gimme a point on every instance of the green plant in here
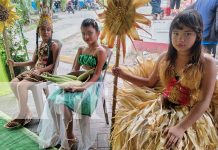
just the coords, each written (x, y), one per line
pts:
(17, 46)
(38, 4)
(23, 9)
(63, 4)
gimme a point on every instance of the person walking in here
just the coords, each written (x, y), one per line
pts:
(208, 9)
(156, 9)
(174, 5)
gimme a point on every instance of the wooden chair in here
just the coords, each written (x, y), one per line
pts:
(39, 88)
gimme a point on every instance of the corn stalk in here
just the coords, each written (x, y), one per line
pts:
(115, 83)
(7, 50)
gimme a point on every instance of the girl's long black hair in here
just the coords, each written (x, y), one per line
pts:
(192, 19)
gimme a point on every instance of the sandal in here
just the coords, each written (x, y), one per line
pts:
(17, 123)
(53, 142)
(161, 15)
(154, 17)
(69, 144)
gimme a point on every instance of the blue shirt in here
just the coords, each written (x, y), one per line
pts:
(207, 9)
(90, 1)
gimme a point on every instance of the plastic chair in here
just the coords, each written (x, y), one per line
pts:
(84, 120)
(38, 88)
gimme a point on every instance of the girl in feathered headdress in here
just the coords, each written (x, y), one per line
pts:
(43, 61)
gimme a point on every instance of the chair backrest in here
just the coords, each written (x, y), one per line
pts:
(109, 54)
(58, 57)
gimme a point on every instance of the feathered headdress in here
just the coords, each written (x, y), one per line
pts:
(45, 18)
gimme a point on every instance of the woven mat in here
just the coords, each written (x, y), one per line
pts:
(4, 85)
(17, 139)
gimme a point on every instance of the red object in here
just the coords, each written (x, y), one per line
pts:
(167, 11)
(183, 92)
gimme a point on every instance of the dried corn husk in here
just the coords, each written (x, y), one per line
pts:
(141, 119)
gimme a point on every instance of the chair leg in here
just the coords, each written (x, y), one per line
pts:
(38, 99)
(46, 91)
(105, 111)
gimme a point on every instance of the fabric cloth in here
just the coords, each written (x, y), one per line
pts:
(83, 104)
(89, 60)
(142, 115)
(85, 101)
(42, 55)
(209, 12)
(51, 128)
(207, 9)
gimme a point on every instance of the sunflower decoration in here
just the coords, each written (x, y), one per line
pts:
(7, 19)
(7, 14)
(121, 20)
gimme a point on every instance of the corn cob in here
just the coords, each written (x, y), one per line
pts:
(85, 75)
(70, 76)
(70, 83)
(66, 81)
(56, 79)
(63, 76)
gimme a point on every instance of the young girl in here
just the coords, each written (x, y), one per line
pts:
(43, 61)
(82, 100)
(176, 117)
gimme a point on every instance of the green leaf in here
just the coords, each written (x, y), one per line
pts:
(25, 41)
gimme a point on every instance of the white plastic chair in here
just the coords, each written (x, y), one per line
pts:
(88, 133)
(109, 54)
(102, 93)
(38, 88)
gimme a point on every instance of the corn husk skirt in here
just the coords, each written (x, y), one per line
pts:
(141, 119)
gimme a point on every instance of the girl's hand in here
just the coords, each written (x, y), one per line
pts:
(10, 62)
(117, 71)
(174, 135)
(75, 89)
(37, 72)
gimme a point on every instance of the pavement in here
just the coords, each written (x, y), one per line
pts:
(67, 30)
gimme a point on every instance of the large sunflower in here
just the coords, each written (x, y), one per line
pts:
(120, 20)
(7, 14)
